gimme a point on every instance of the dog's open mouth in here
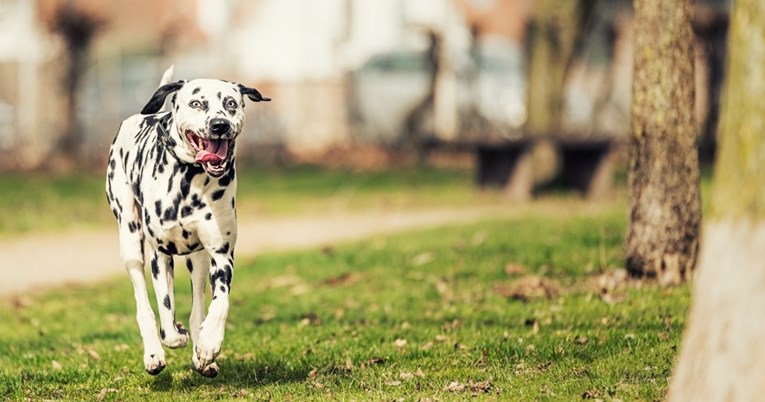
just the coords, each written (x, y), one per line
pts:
(212, 154)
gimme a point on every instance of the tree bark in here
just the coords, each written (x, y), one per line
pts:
(553, 35)
(721, 357)
(662, 239)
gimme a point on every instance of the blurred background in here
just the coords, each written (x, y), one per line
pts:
(353, 81)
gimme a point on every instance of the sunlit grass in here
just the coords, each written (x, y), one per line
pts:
(420, 315)
(34, 202)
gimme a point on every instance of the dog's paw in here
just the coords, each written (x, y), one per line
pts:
(176, 338)
(205, 356)
(209, 371)
(154, 363)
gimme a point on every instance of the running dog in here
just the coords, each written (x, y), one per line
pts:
(171, 183)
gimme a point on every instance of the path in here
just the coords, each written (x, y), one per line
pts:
(36, 262)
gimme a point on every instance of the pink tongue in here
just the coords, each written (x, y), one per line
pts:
(215, 151)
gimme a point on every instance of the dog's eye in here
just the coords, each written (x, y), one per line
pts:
(195, 104)
(231, 104)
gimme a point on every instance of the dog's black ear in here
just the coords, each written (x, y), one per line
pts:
(158, 99)
(253, 94)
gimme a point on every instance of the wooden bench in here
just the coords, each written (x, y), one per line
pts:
(586, 164)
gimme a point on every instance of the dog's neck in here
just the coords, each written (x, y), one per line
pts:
(171, 140)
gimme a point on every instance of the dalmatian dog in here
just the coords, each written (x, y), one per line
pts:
(171, 183)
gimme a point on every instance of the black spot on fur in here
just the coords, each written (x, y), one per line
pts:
(223, 275)
(186, 211)
(154, 268)
(196, 90)
(223, 249)
(208, 216)
(222, 288)
(133, 226)
(171, 214)
(170, 248)
(158, 208)
(162, 332)
(189, 265)
(217, 194)
(166, 302)
(196, 202)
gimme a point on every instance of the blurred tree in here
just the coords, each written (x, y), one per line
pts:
(721, 354)
(77, 28)
(662, 239)
(554, 32)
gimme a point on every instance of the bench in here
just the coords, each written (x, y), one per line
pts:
(586, 164)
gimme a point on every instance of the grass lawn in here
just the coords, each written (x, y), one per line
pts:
(501, 310)
(33, 203)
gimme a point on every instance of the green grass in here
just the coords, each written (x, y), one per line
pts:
(387, 318)
(33, 203)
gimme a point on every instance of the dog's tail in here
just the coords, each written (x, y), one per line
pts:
(167, 76)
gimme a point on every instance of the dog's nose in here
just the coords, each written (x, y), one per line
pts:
(219, 126)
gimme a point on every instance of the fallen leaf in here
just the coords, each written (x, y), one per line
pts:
(512, 268)
(581, 340)
(312, 374)
(482, 386)
(400, 343)
(56, 365)
(478, 238)
(406, 375)
(121, 347)
(419, 373)
(454, 386)
(310, 318)
(342, 279)
(393, 383)
(101, 394)
(423, 258)
(94, 354)
(529, 287)
(374, 360)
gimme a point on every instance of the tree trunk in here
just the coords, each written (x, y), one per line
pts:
(553, 35)
(721, 357)
(662, 240)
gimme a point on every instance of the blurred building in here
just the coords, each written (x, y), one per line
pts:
(296, 51)
(302, 53)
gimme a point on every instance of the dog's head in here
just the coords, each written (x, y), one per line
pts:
(209, 115)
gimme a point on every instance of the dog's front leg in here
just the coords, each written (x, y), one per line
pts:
(172, 335)
(153, 354)
(214, 325)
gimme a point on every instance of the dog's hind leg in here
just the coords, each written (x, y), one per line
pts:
(171, 334)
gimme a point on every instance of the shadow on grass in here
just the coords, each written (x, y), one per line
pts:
(235, 374)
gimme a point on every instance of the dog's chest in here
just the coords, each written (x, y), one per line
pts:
(184, 206)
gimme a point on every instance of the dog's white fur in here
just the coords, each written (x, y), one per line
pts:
(165, 197)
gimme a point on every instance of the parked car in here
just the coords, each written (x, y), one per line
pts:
(491, 85)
